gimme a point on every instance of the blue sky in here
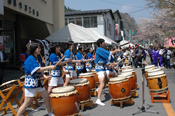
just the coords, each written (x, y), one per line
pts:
(136, 8)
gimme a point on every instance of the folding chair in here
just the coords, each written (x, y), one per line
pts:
(9, 95)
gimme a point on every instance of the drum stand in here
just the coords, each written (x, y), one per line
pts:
(142, 108)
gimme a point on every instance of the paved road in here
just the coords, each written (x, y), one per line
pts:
(128, 110)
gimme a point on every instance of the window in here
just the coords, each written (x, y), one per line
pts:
(108, 24)
(1, 24)
(72, 20)
(110, 29)
(86, 21)
(94, 21)
(79, 21)
(66, 20)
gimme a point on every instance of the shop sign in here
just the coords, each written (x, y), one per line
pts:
(26, 8)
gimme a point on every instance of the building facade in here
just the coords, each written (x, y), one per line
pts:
(24, 20)
(102, 21)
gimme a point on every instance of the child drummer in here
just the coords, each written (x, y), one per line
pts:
(102, 56)
(56, 74)
(33, 82)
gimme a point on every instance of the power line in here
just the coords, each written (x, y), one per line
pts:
(138, 11)
(121, 4)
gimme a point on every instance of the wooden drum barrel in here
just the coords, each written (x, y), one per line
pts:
(131, 79)
(148, 68)
(125, 68)
(64, 101)
(157, 82)
(133, 73)
(83, 88)
(96, 76)
(119, 88)
(151, 71)
(90, 77)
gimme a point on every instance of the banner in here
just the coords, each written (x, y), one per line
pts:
(169, 42)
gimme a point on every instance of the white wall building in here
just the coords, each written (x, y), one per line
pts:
(102, 21)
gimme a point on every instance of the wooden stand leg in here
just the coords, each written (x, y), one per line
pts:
(160, 97)
(137, 86)
(89, 104)
(135, 94)
(130, 101)
(94, 93)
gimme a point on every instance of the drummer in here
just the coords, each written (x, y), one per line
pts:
(89, 56)
(33, 82)
(80, 56)
(100, 60)
(56, 74)
(70, 66)
(111, 71)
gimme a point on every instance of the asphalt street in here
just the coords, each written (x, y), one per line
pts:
(114, 110)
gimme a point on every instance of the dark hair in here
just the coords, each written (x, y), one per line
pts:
(33, 47)
(80, 48)
(70, 43)
(100, 41)
(24, 49)
(109, 47)
(88, 48)
(53, 46)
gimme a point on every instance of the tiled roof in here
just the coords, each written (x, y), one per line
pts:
(88, 12)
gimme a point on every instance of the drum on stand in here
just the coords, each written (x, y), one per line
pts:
(96, 76)
(83, 88)
(90, 77)
(131, 79)
(119, 88)
(125, 68)
(157, 82)
(133, 73)
(64, 101)
(148, 68)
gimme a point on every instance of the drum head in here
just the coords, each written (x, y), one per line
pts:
(94, 71)
(118, 78)
(126, 67)
(75, 81)
(126, 73)
(127, 70)
(85, 74)
(63, 89)
(156, 73)
(149, 66)
(154, 70)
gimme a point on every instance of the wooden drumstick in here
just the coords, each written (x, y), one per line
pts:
(120, 61)
(83, 57)
(68, 69)
(41, 57)
(60, 60)
(49, 72)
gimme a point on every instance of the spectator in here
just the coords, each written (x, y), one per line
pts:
(3, 61)
(168, 57)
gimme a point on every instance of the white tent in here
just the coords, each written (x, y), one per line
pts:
(78, 34)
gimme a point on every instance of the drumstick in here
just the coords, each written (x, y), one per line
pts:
(145, 63)
(60, 60)
(120, 61)
(49, 72)
(41, 57)
(83, 57)
(68, 69)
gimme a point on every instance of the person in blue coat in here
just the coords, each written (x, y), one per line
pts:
(70, 67)
(155, 56)
(89, 56)
(33, 82)
(101, 57)
(80, 56)
(55, 56)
